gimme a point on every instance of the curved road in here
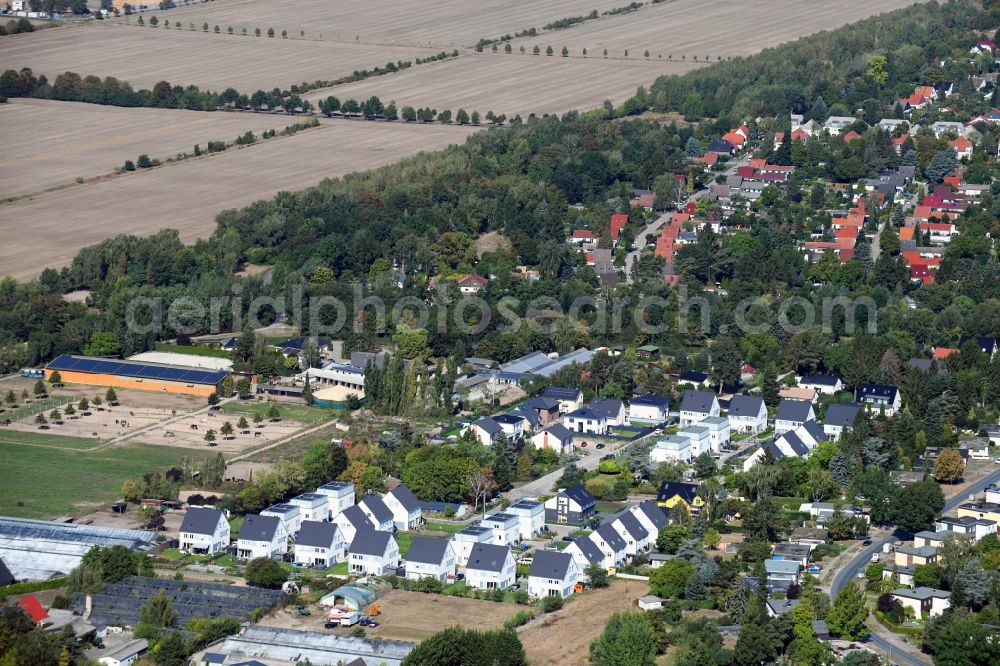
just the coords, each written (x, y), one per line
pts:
(862, 559)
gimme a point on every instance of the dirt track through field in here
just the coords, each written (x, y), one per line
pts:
(49, 230)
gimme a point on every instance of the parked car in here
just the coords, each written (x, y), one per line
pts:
(600, 446)
(583, 444)
(568, 538)
(330, 625)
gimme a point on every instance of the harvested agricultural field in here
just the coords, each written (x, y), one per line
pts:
(56, 152)
(144, 56)
(188, 195)
(443, 23)
(707, 28)
(511, 84)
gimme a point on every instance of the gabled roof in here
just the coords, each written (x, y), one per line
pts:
(655, 513)
(6, 577)
(589, 550)
(793, 410)
(820, 380)
(814, 429)
(877, 392)
(698, 401)
(541, 403)
(686, 491)
(921, 593)
(986, 344)
(529, 415)
(652, 400)
(550, 564)
(610, 536)
(841, 415)
(377, 506)
(745, 405)
(259, 528)
(631, 525)
(356, 517)
(587, 413)
(781, 566)
(201, 521)
(404, 496)
(316, 533)
(487, 557)
(579, 495)
(797, 446)
(562, 393)
(370, 542)
(559, 431)
(427, 551)
(692, 377)
(609, 407)
(488, 425)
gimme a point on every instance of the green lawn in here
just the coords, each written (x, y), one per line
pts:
(630, 433)
(193, 350)
(405, 540)
(610, 507)
(39, 405)
(456, 431)
(338, 569)
(46, 438)
(235, 524)
(55, 483)
(443, 527)
(301, 413)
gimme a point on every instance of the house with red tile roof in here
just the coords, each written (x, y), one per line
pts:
(963, 147)
(737, 140)
(941, 353)
(618, 222)
(851, 136)
(580, 236)
(33, 607)
(906, 233)
(472, 283)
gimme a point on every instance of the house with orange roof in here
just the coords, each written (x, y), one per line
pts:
(963, 147)
(906, 233)
(581, 236)
(897, 143)
(618, 222)
(851, 136)
(941, 353)
(799, 134)
(922, 213)
(33, 607)
(735, 139)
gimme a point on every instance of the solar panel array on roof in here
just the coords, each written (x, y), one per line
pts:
(187, 375)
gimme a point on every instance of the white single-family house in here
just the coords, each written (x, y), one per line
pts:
(649, 407)
(312, 506)
(611, 545)
(490, 567)
(747, 414)
(826, 384)
(405, 508)
(506, 528)
(377, 512)
(638, 539)
(880, 397)
(652, 516)
(697, 406)
(319, 543)
(204, 531)
(700, 437)
(976, 527)
(486, 430)
(261, 536)
(791, 414)
(340, 494)
(923, 600)
(552, 574)
(512, 425)
(288, 514)
(719, 432)
(782, 573)
(838, 419)
(586, 421)
(570, 399)
(351, 520)
(573, 505)
(430, 558)
(674, 447)
(556, 437)
(530, 515)
(585, 552)
(464, 540)
(373, 553)
(614, 411)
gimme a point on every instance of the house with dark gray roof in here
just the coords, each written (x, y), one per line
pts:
(791, 414)
(880, 398)
(652, 516)
(556, 436)
(986, 344)
(611, 545)
(319, 544)
(586, 421)
(486, 430)
(638, 539)
(490, 567)
(649, 407)
(378, 513)
(430, 558)
(827, 384)
(546, 408)
(838, 419)
(552, 574)
(373, 553)
(407, 514)
(529, 416)
(261, 536)
(204, 531)
(573, 505)
(613, 411)
(350, 520)
(569, 398)
(747, 414)
(585, 552)
(697, 406)
(6, 577)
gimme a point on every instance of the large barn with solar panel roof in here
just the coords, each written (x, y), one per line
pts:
(138, 375)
